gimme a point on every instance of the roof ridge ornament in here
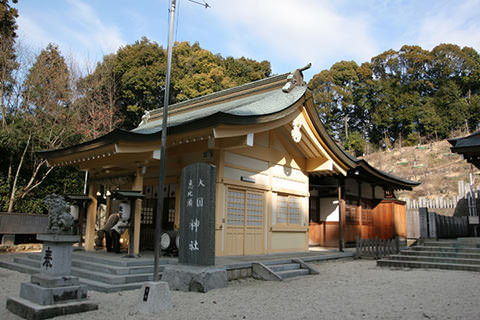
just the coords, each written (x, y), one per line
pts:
(145, 117)
(295, 78)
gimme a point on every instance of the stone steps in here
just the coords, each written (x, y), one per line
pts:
(427, 265)
(435, 259)
(441, 254)
(281, 269)
(112, 269)
(449, 255)
(98, 273)
(439, 243)
(111, 278)
(293, 273)
(285, 267)
(19, 267)
(446, 249)
(108, 288)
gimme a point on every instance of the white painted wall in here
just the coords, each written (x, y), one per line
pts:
(329, 209)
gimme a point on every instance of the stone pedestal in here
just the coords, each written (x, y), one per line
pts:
(53, 291)
(195, 278)
(155, 297)
(57, 253)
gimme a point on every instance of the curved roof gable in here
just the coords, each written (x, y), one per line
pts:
(468, 147)
(275, 100)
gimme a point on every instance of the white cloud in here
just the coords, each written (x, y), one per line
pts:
(91, 31)
(75, 27)
(32, 32)
(458, 23)
(298, 31)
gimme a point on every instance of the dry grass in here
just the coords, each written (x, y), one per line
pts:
(434, 165)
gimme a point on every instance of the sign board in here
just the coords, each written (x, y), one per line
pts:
(197, 215)
(473, 220)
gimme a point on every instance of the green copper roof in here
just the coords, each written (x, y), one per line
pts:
(259, 104)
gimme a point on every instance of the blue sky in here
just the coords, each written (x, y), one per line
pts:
(288, 33)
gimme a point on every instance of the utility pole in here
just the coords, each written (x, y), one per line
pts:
(161, 178)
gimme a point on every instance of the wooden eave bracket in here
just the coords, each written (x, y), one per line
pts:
(319, 164)
(80, 158)
(232, 142)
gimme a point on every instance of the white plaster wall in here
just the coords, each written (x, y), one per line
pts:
(329, 209)
(236, 174)
(246, 162)
(287, 172)
(279, 183)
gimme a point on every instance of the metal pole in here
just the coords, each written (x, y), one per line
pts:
(159, 213)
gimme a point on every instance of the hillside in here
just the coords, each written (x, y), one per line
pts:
(434, 165)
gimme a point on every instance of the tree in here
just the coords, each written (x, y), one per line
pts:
(355, 143)
(44, 121)
(8, 27)
(333, 92)
(140, 70)
(324, 93)
(96, 108)
(401, 94)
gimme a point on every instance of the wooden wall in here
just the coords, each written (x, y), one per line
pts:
(324, 234)
(389, 220)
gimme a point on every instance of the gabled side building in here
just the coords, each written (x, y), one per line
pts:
(282, 183)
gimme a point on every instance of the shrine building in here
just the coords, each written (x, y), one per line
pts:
(282, 183)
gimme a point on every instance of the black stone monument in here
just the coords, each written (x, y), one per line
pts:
(197, 217)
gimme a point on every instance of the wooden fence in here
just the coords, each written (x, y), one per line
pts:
(464, 191)
(23, 223)
(423, 224)
(376, 248)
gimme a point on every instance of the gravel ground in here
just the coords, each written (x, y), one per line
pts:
(347, 289)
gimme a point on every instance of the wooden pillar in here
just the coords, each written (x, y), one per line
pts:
(137, 186)
(341, 216)
(359, 208)
(91, 217)
(178, 191)
(220, 214)
(109, 207)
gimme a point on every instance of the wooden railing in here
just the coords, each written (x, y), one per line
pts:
(23, 223)
(376, 248)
